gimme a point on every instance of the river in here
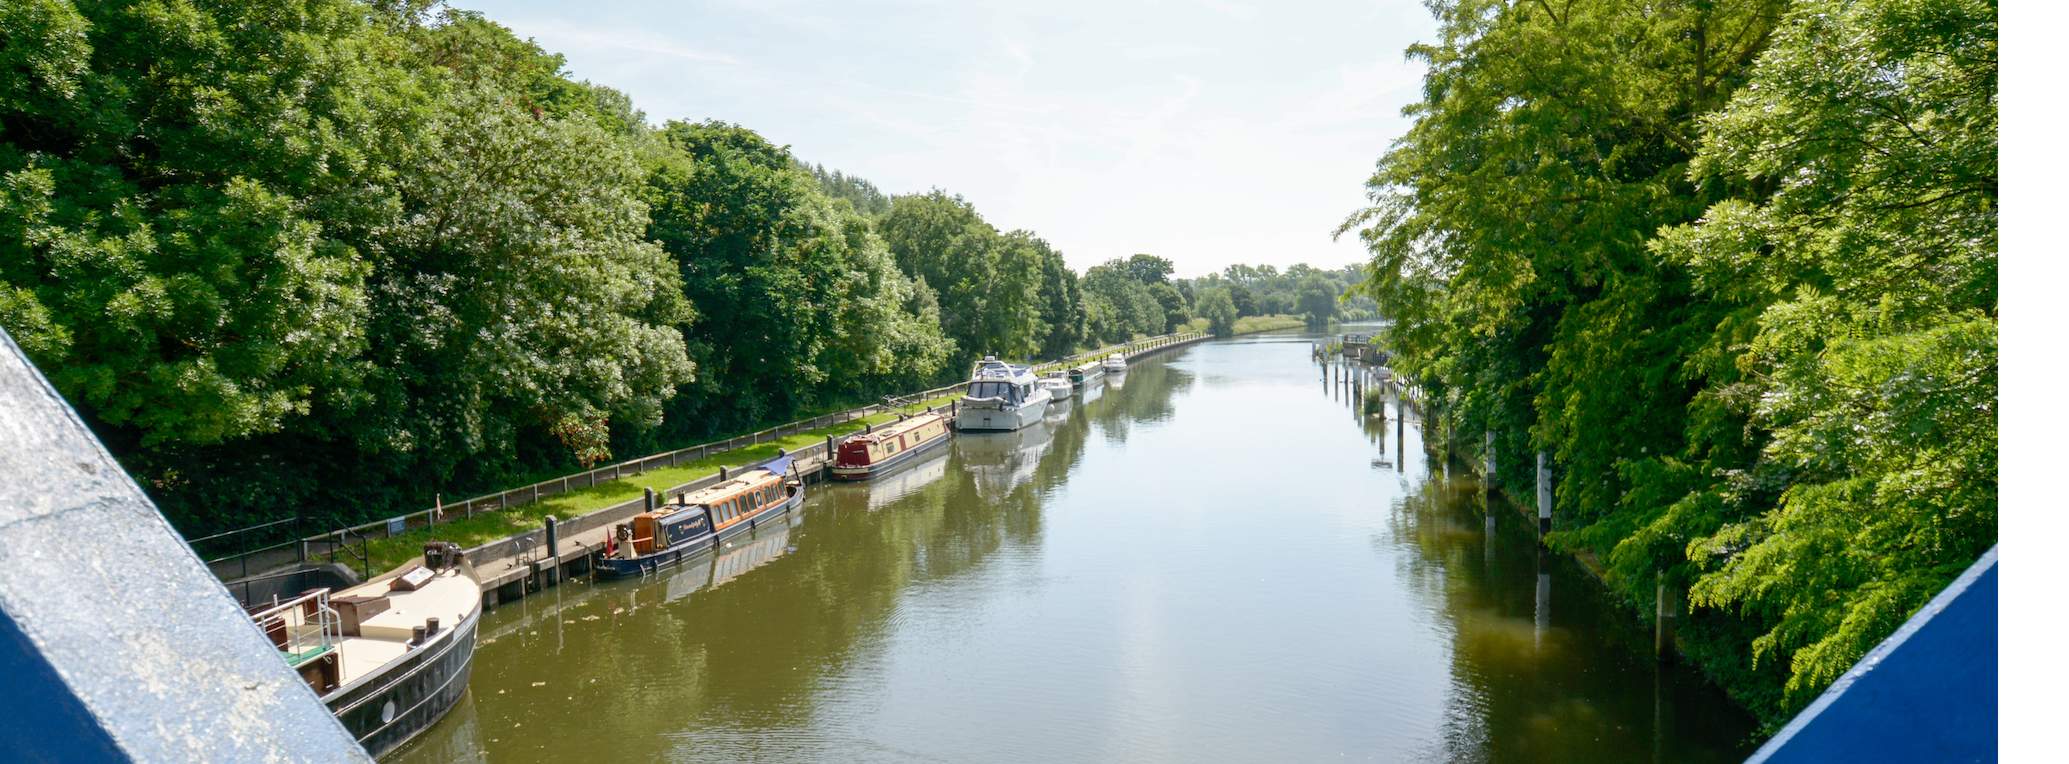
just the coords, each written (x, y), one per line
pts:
(1211, 558)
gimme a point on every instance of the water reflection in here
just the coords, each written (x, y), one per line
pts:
(1219, 574)
(1539, 680)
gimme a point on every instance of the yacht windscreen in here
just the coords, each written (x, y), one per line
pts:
(992, 390)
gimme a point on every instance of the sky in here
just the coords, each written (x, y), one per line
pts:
(1208, 132)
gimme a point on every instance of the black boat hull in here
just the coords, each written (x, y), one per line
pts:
(397, 704)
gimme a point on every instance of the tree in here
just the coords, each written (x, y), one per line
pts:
(798, 296)
(1869, 134)
(1246, 304)
(1219, 310)
(1171, 307)
(1062, 322)
(988, 287)
(1117, 306)
(1148, 269)
(1705, 299)
(1317, 300)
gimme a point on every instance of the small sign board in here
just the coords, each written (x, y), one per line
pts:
(396, 525)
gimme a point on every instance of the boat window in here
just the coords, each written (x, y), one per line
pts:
(990, 389)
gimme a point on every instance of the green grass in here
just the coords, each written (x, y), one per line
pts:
(1251, 324)
(386, 553)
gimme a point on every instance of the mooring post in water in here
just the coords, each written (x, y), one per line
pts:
(650, 500)
(1661, 611)
(1542, 619)
(829, 448)
(1544, 494)
(1401, 433)
(723, 476)
(1490, 456)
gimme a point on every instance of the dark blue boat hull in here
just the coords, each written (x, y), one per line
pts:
(647, 564)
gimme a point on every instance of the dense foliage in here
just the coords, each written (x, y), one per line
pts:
(328, 257)
(1733, 265)
(1317, 296)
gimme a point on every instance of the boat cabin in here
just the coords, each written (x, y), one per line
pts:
(882, 443)
(738, 498)
(1008, 387)
(667, 527)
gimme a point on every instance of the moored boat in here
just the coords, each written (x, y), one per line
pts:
(1001, 399)
(1058, 384)
(1085, 372)
(389, 657)
(889, 447)
(1115, 363)
(698, 520)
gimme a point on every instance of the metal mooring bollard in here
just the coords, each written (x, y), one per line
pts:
(552, 537)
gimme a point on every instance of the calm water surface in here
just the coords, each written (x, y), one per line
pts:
(1211, 559)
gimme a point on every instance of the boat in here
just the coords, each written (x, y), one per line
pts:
(1086, 372)
(880, 450)
(1001, 398)
(699, 520)
(1115, 363)
(389, 657)
(989, 363)
(1058, 384)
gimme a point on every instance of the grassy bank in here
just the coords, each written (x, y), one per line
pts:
(387, 553)
(1253, 324)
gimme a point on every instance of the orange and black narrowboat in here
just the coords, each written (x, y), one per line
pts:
(701, 519)
(889, 447)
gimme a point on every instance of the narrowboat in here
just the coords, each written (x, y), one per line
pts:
(699, 520)
(389, 657)
(1115, 363)
(889, 447)
(1086, 372)
(1001, 399)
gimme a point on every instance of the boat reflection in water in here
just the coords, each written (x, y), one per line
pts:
(736, 557)
(1003, 461)
(886, 490)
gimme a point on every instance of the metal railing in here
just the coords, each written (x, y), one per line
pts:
(302, 628)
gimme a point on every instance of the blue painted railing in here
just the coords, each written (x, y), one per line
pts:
(1926, 694)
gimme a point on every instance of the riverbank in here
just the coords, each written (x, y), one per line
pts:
(473, 531)
(1703, 642)
(1253, 324)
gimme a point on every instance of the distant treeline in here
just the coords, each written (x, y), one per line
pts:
(1733, 265)
(330, 257)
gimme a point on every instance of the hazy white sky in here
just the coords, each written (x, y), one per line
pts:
(1209, 132)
